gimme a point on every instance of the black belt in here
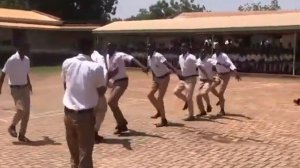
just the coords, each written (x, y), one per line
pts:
(187, 77)
(205, 80)
(122, 79)
(67, 110)
(163, 76)
(18, 86)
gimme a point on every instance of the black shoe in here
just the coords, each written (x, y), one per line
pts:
(190, 118)
(164, 123)
(22, 138)
(297, 101)
(12, 131)
(203, 113)
(121, 130)
(209, 109)
(185, 106)
(98, 138)
(221, 113)
(156, 116)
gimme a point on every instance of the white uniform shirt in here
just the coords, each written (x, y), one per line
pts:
(82, 77)
(224, 60)
(100, 59)
(188, 65)
(17, 69)
(207, 65)
(235, 57)
(248, 57)
(257, 57)
(242, 59)
(118, 60)
(156, 63)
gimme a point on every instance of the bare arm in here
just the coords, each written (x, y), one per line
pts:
(175, 70)
(237, 75)
(29, 83)
(112, 73)
(1, 80)
(101, 91)
(138, 63)
(203, 71)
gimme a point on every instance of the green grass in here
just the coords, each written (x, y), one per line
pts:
(45, 69)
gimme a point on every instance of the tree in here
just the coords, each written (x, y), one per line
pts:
(274, 5)
(15, 4)
(78, 10)
(163, 9)
(99, 11)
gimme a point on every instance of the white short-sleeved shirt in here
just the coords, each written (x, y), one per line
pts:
(235, 57)
(248, 57)
(223, 59)
(188, 65)
(118, 60)
(156, 64)
(257, 57)
(207, 64)
(17, 69)
(242, 59)
(82, 77)
(100, 59)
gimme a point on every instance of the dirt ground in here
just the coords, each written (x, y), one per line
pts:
(261, 129)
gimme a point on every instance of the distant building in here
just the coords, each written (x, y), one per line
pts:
(51, 39)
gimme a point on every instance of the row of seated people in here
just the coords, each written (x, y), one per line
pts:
(255, 63)
(263, 63)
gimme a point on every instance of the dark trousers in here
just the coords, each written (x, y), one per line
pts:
(80, 137)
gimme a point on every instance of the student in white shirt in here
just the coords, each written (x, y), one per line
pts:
(120, 83)
(206, 76)
(17, 69)
(187, 84)
(161, 70)
(101, 108)
(84, 83)
(224, 68)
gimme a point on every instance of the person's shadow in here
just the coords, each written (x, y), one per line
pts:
(125, 142)
(138, 133)
(231, 116)
(45, 141)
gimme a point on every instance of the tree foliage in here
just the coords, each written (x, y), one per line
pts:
(274, 5)
(99, 11)
(164, 9)
(15, 4)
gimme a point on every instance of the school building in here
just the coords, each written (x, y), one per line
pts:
(51, 39)
(260, 42)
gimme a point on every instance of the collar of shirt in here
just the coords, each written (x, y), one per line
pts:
(185, 55)
(83, 57)
(17, 56)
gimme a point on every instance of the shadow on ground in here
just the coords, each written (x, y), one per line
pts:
(45, 141)
(115, 141)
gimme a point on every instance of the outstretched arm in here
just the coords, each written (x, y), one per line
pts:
(138, 63)
(1, 80)
(203, 71)
(175, 70)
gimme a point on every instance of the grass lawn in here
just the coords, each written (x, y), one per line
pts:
(45, 69)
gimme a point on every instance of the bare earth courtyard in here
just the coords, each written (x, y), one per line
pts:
(261, 130)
